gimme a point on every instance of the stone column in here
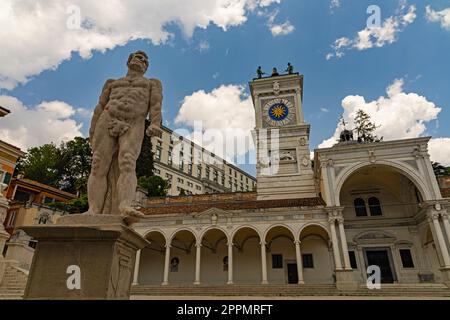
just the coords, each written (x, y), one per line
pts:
(334, 241)
(4, 236)
(347, 265)
(446, 221)
(230, 263)
(136, 268)
(263, 263)
(197, 263)
(298, 255)
(166, 266)
(441, 240)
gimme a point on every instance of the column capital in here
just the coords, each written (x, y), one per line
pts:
(297, 242)
(168, 246)
(433, 215)
(198, 244)
(230, 244)
(335, 214)
(263, 243)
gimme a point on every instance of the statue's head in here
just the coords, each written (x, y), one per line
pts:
(138, 61)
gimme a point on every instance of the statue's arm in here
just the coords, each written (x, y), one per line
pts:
(102, 101)
(155, 106)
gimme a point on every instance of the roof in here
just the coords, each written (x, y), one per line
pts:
(32, 183)
(224, 201)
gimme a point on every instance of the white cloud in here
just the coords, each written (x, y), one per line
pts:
(225, 114)
(400, 115)
(277, 29)
(47, 122)
(335, 4)
(35, 34)
(443, 17)
(380, 36)
(323, 109)
(282, 29)
(439, 149)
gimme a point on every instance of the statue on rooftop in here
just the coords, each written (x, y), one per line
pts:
(259, 72)
(290, 68)
(116, 134)
(275, 72)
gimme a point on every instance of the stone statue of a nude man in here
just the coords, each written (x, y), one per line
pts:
(116, 134)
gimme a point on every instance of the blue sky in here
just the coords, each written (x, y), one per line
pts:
(415, 60)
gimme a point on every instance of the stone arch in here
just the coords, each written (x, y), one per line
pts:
(147, 232)
(280, 225)
(247, 258)
(204, 232)
(316, 254)
(310, 224)
(151, 262)
(243, 227)
(399, 167)
(172, 235)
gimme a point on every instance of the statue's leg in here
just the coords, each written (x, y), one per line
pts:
(129, 149)
(103, 148)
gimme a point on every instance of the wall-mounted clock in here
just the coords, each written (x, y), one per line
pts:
(278, 112)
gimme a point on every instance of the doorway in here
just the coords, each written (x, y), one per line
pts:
(292, 273)
(381, 257)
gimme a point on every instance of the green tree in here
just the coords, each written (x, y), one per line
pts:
(144, 164)
(365, 128)
(43, 164)
(77, 158)
(155, 186)
(440, 170)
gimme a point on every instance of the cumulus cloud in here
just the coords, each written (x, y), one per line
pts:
(400, 115)
(47, 122)
(39, 35)
(282, 29)
(222, 120)
(376, 36)
(442, 17)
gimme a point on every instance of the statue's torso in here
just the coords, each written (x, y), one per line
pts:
(129, 98)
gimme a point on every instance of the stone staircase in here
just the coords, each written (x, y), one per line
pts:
(13, 283)
(291, 291)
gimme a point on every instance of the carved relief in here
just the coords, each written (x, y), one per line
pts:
(276, 88)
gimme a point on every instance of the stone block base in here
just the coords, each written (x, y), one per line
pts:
(345, 281)
(101, 246)
(446, 276)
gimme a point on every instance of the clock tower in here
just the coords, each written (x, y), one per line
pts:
(282, 139)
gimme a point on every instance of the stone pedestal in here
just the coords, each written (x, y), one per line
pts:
(345, 280)
(103, 249)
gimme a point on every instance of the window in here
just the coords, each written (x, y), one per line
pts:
(158, 154)
(308, 261)
(181, 166)
(190, 168)
(407, 260)
(43, 220)
(352, 257)
(180, 180)
(157, 171)
(6, 178)
(159, 143)
(277, 261)
(360, 207)
(199, 171)
(216, 175)
(48, 200)
(375, 206)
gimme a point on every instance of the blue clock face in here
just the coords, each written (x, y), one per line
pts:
(278, 111)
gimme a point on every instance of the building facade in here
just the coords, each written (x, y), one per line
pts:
(189, 167)
(361, 205)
